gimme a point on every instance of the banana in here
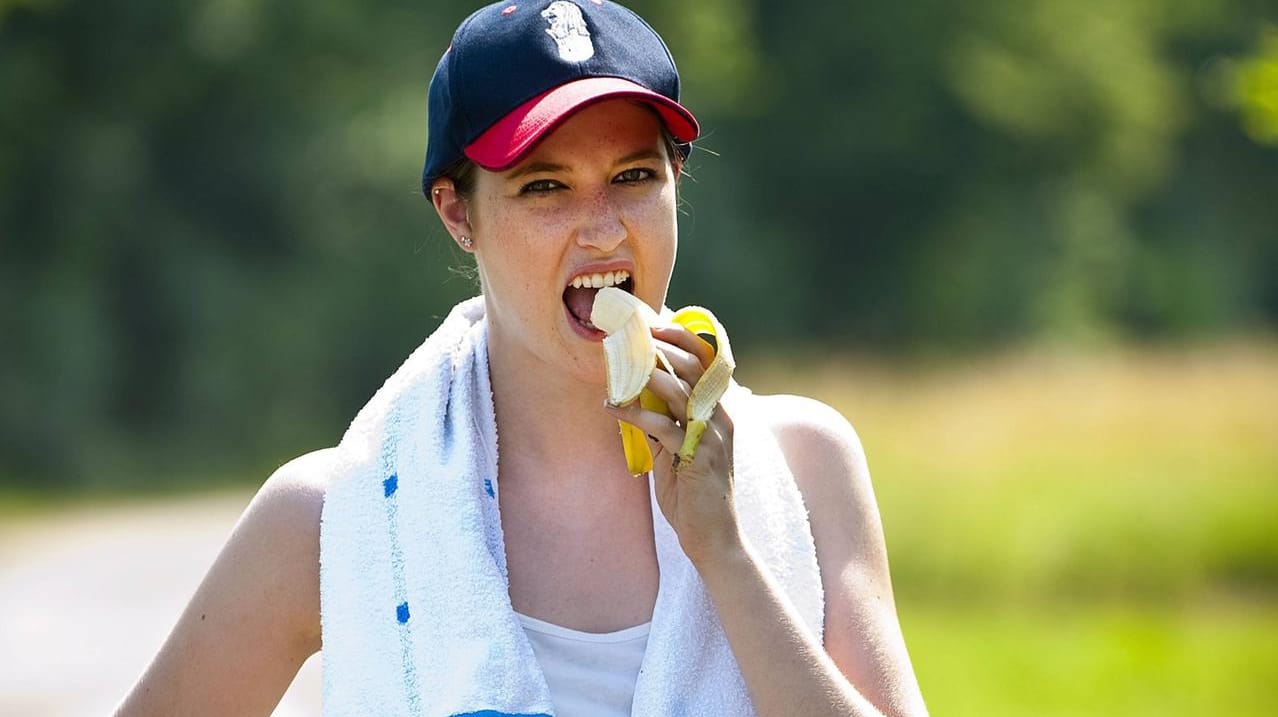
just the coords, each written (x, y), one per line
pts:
(631, 357)
(629, 353)
(713, 382)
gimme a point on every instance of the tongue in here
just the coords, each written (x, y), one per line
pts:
(580, 302)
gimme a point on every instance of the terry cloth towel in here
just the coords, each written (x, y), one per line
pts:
(414, 594)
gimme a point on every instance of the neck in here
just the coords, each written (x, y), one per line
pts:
(550, 423)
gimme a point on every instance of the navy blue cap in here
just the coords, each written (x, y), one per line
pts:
(515, 70)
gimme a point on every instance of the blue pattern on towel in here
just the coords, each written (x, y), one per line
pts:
(495, 713)
(389, 488)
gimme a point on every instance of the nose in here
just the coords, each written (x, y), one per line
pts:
(601, 226)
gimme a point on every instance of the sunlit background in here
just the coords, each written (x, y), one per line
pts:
(1029, 249)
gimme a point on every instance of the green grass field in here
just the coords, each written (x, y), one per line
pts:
(1076, 534)
(1069, 534)
(1095, 659)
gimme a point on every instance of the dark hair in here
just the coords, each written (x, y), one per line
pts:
(463, 173)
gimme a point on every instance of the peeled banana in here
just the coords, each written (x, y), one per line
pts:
(629, 352)
(631, 357)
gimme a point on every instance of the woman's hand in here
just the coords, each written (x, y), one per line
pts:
(695, 496)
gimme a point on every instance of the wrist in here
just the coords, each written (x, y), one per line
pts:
(724, 557)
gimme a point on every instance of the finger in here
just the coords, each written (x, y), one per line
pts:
(660, 428)
(688, 341)
(673, 390)
(722, 418)
(717, 438)
(686, 365)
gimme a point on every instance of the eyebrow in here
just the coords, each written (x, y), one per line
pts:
(641, 154)
(538, 167)
(552, 167)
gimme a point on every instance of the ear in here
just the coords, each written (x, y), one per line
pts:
(453, 210)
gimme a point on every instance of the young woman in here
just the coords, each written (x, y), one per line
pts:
(448, 577)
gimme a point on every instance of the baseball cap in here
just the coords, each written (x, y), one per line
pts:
(516, 70)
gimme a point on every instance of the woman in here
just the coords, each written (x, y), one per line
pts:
(556, 143)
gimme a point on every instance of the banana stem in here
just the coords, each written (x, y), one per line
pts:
(691, 439)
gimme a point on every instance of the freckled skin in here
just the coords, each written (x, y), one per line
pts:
(528, 244)
(579, 530)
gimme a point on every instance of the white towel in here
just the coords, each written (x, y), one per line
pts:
(415, 602)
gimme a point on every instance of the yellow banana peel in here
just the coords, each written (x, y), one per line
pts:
(631, 357)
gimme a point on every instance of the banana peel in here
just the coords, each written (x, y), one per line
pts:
(631, 357)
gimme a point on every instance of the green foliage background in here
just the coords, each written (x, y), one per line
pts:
(213, 248)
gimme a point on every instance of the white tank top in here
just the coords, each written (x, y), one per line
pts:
(589, 674)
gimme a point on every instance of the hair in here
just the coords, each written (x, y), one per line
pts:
(463, 173)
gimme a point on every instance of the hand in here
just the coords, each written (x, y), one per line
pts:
(695, 496)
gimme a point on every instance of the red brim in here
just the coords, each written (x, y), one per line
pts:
(504, 144)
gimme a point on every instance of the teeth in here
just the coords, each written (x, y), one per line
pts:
(599, 281)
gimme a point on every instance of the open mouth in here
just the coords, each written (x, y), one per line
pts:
(579, 296)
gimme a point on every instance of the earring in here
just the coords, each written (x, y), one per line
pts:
(467, 243)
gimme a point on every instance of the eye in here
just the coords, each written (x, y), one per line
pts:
(540, 186)
(635, 175)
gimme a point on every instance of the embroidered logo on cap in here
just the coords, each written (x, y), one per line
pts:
(568, 28)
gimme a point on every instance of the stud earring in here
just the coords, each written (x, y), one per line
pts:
(467, 243)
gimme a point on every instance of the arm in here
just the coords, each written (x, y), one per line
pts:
(863, 668)
(255, 618)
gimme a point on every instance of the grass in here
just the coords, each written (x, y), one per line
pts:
(1095, 660)
(1069, 534)
(1076, 534)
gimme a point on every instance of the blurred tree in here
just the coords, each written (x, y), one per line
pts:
(1255, 89)
(213, 247)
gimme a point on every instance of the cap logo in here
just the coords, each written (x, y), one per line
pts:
(568, 28)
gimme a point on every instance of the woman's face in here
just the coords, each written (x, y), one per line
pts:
(595, 198)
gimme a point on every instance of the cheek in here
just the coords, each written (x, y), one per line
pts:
(656, 250)
(656, 210)
(662, 216)
(519, 258)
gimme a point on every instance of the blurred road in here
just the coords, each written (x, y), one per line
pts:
(88, 596)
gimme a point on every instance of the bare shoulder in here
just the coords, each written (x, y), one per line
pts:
(806, 423)
(280, 529)
(292, 498)
(862, 632)
(823, 450)
(829, 465)
(254, 619)
(278, 535)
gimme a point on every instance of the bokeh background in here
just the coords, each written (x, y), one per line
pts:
(1029, 249)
